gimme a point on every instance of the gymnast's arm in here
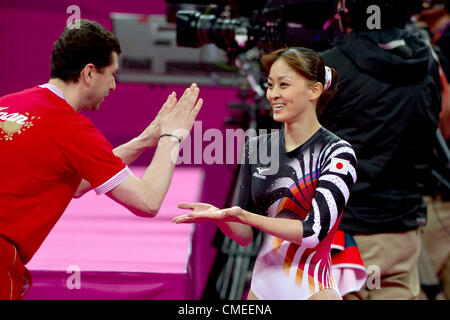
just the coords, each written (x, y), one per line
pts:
(237, 223)
(241, 233)
(332, 193)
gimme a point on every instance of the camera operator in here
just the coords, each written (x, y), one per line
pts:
(387, 107)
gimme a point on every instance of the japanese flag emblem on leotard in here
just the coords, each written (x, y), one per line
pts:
(339, 166)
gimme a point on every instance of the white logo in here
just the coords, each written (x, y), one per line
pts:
(339, 166)
(373, 277)
(262, 170)
(73, 22)
(374, 21)
(14, 117)
(74, 281)
(255, 174)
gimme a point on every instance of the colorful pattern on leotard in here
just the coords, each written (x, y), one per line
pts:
(312, 184)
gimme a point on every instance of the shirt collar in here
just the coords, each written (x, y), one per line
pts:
(54, 89)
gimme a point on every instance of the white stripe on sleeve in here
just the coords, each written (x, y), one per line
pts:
(117, 179)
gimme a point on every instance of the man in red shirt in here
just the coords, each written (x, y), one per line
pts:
(50, 153)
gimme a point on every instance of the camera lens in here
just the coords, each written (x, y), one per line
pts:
(195, 30)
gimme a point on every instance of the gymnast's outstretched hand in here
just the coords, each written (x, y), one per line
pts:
(203, 212)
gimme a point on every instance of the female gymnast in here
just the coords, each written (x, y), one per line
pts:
(298, 208)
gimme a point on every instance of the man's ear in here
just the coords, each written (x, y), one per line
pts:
(315, 91)
(87, 73)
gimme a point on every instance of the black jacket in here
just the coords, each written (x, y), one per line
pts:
(387, 107)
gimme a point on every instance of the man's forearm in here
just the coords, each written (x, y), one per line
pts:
(131, 150)
(144, 196)
(128, 152)
(158, 176)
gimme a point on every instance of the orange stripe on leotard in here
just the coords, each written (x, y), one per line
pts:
(299, 279)
(276, 243)
(289, 257)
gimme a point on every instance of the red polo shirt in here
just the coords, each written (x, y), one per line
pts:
(46, 148)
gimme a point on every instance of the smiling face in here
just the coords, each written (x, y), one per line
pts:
(289, 93)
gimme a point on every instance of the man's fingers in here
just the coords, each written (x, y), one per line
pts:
(188, 95)
(197, 108)
(167, 105)
(187, 92)
(173, 101)
(170, 99)
(193, 97)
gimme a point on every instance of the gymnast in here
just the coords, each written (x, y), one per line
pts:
(299, 207)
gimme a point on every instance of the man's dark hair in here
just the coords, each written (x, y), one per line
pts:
(79, 46)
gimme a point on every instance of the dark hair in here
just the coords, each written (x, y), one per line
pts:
(308, 64)
(79, 46)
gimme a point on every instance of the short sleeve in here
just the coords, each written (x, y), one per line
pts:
(90, 155)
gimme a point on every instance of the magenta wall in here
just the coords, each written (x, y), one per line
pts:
(27, 32)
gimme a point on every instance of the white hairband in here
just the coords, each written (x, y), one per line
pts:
(328, 78)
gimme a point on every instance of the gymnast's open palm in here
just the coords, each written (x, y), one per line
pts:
(203, 212)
